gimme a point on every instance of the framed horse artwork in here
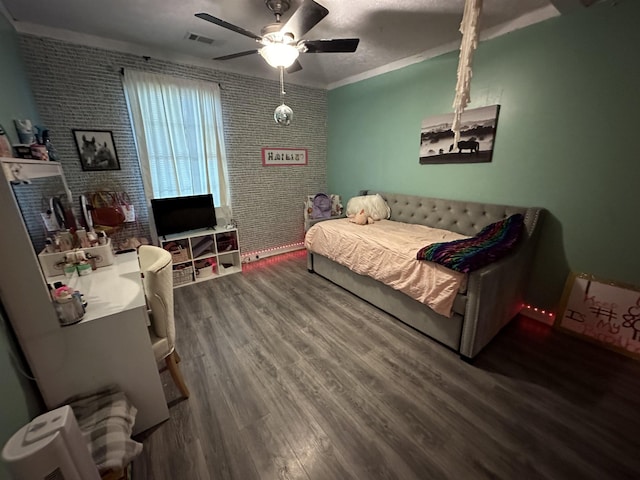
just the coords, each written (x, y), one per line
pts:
(478, 131)
(96, 149)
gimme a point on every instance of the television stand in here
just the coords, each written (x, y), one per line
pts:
(205, 254)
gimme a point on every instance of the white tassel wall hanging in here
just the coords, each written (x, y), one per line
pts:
(469, 27)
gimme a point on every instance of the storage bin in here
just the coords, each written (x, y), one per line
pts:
(226, 242)
(53, 263)
(179, 254)
(183, 275)
(205, 268)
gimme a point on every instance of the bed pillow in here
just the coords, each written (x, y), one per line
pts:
(374, 206)
(490, 244)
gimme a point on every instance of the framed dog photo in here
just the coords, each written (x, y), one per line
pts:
(96, 150)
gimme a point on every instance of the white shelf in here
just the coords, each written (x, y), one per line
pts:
(205, 256)
(227, 251)
(230, 270)
(204, 279)
(183, 261)
(220, 238)
(196, 233)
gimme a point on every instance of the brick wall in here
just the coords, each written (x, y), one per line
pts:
(81, 87)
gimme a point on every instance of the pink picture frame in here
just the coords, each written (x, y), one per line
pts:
(284, 157)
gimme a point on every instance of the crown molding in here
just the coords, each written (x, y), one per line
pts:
(525, 20)
(4, 11)
(69, 36)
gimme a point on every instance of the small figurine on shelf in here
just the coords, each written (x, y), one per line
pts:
(51, 150)
(25, 131)
(38, 150)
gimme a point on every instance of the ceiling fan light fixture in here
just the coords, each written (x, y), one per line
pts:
(279, 54)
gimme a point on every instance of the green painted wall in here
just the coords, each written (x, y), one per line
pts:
(567, 140)
(19, 400)
(16, 99)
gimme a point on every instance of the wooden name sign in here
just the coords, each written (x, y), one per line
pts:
(601, 311)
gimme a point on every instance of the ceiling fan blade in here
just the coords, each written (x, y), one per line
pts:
(335, 45)
(227, 25)
(304, 19)
(295, 67)
(236, 55)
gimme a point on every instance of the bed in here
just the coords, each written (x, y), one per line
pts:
(464, 311)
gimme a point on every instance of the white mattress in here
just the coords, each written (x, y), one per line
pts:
(386, 250)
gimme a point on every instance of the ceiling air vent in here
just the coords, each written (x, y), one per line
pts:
(198, 38)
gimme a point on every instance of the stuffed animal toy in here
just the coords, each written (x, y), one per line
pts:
(361, 218)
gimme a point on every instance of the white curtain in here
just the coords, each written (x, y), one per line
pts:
(179, 135)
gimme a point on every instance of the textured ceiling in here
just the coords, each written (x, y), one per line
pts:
(389, 30)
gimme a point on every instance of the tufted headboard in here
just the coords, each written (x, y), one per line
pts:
(466, 218)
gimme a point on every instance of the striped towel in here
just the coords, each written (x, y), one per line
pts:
(490, 244)
(106, 420)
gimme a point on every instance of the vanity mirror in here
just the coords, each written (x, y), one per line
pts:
(43, 197)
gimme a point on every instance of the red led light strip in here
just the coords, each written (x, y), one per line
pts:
(267, 252)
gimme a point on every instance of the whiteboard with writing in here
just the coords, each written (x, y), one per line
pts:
(605, 312)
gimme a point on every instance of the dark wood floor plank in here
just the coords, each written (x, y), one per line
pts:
(293, 377)
(603, 384)
(477, 420)
(410, 415)
(180, 438)
(264, 327)
(465, 381)
(241, 392)
(313, 447)
(224, 448)
(379, 422)
(367, 456)
(498, 403)
(320, 314)
(271, 452)
(388, 386)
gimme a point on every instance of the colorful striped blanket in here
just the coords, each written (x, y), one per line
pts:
(490, 244)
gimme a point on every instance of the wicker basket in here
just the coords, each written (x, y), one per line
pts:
(179, 254)
(183, 275)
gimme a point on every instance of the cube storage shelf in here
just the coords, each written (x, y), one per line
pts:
(201, 255)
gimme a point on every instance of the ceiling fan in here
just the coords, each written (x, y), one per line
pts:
(282, 43)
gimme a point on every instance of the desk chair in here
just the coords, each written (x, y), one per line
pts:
(156, 266)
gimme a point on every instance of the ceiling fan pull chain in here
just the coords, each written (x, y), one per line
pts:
(282, 92)
(283, 114)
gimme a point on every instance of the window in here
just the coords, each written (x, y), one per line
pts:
(179, 135)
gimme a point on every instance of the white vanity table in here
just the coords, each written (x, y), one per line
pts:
(110, 345)
(109, 290)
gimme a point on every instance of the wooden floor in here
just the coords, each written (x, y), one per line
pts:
(292, 377)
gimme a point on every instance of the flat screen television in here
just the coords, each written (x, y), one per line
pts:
(181, 214)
